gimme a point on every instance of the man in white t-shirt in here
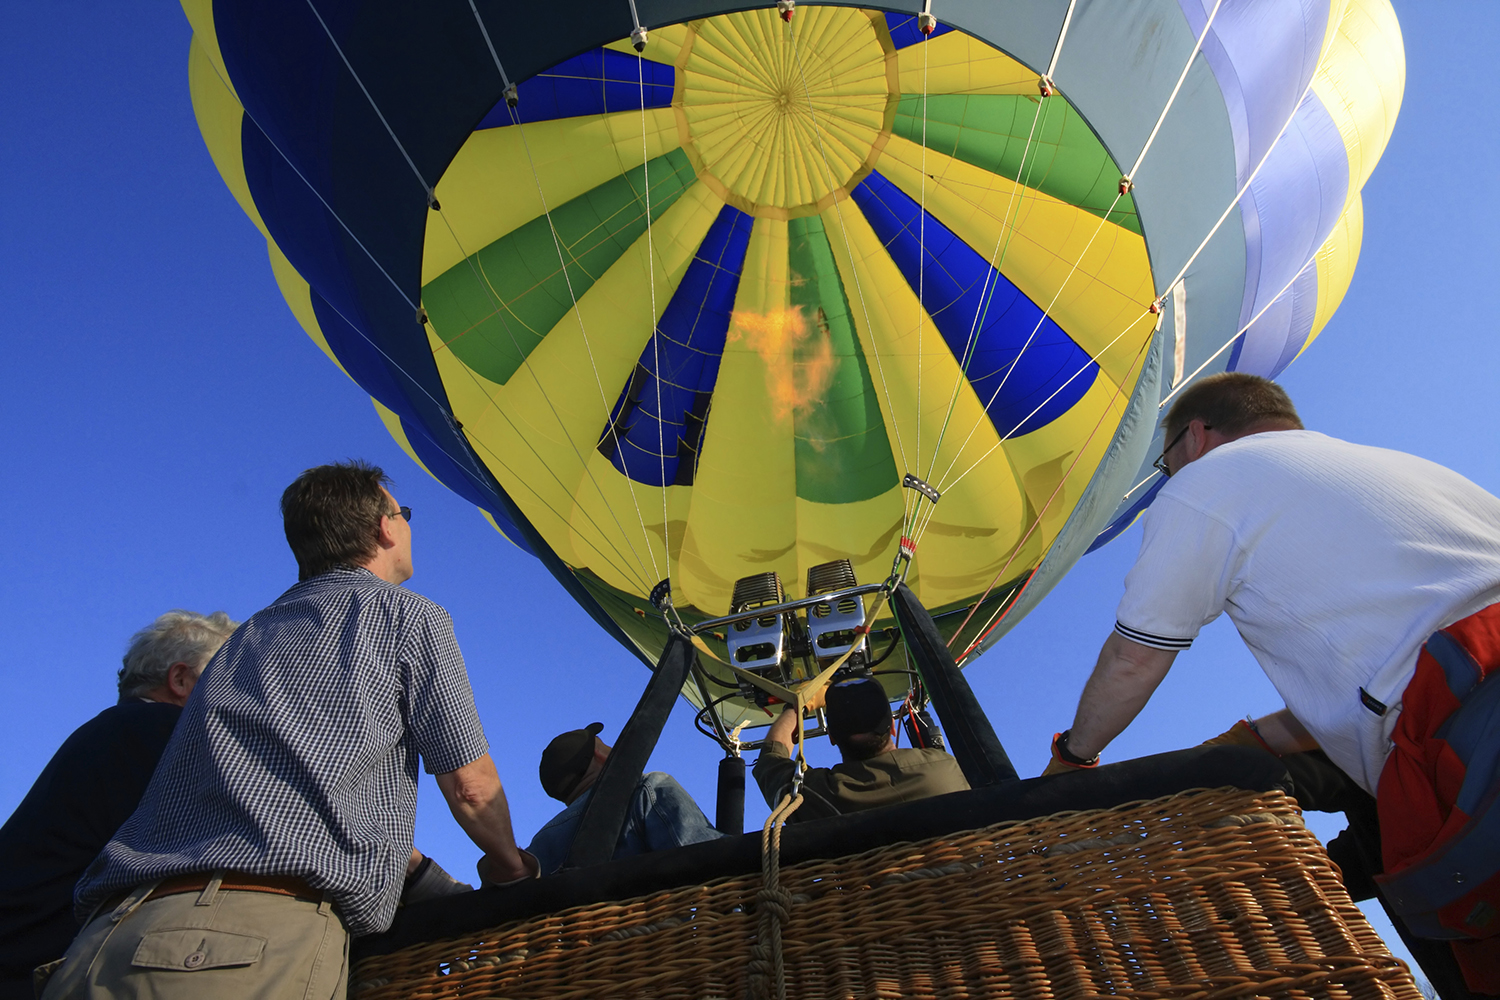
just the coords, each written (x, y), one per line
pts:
(1338, 563)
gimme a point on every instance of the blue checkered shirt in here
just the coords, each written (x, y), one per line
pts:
(297, 752)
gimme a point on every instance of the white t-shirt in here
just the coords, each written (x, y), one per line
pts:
(1334, 560)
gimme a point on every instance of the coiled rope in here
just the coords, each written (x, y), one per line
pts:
(773, 905)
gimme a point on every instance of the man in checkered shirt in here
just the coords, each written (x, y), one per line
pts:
(280, 819)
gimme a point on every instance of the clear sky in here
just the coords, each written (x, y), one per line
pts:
(157, 395)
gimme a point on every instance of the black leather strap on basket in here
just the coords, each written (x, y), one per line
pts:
(604, 816)
(969, 734)
(729, 813)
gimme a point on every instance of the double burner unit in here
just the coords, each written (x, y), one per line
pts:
(830, 623)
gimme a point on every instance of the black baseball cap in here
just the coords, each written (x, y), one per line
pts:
(855, 707)
(566, 759)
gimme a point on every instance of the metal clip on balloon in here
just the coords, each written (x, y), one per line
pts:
(912, 482)
(661, 596)
(926, 23)
(786, 8)
(904, 554)
(908, 548)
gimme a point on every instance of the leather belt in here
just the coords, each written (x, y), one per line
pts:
(278, 885)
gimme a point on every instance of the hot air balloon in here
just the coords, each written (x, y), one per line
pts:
(692, 314)
(719, 310)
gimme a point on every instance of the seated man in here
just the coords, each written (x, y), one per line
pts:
(875, 772)
(89, 787)
(662, 813)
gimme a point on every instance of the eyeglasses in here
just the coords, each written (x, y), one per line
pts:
(1160, 465)
(405, 512)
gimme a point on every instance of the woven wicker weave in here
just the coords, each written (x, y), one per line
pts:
(1206, 894)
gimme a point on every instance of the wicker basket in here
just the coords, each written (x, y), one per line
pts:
(1204, 894)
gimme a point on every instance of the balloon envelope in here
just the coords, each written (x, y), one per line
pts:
(693, 313)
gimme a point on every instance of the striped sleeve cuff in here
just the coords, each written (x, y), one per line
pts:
(1149, 639)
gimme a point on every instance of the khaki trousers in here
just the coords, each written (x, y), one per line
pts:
(222, 944)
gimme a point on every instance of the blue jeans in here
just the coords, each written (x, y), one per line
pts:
(662, 815)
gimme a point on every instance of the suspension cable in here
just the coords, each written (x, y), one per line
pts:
(1128, 180)
(987, 291)
(499, 308)
(432, 201)
(661, 417)
(467, 458)
(638, 39)
(910, 514)
(1057, 49)
(1036, 523)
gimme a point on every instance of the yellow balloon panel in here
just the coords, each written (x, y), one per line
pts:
(955, 63)
(744, 511)
(1360, 79)
(1092, 276)
(921, 388)
(499, 179)
(546, 420)
(1335, 263)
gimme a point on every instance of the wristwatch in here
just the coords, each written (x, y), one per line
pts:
(1067, 757)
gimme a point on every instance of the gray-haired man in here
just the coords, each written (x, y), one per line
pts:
(91, 786)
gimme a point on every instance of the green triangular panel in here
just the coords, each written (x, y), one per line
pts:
(523, 273)
(1065, 159)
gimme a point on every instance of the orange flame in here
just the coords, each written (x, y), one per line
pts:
(798, 357)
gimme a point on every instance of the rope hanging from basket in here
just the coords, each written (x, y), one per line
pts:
(773, 905)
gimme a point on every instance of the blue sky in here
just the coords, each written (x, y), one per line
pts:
(157, 396)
